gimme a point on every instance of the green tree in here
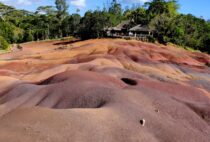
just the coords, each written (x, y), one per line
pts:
(93, 24)
(70, 24)
(161, 24)
(115, 8)
(115, 13)
(28, 36)
(62, 8)
(3, 43)
(172, 6)
(194, 29)
(7, 31)
(48, 10)
(158, 7)
(137, 16)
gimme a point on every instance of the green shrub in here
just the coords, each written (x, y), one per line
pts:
(151, 39)
(3, 43)
(28, 36)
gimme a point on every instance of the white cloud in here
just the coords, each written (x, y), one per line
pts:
(18, 2)
(24, 2)
(78, 3)
(135, 1)
(3, 0)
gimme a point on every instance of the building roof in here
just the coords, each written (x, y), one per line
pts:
(121, 26)
(140, 28)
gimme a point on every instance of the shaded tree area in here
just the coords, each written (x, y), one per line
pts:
(50, 22)
(93, 23)
(170, 26)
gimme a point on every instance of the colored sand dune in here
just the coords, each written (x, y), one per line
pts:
(108, 90)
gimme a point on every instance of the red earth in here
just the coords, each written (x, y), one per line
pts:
(104, 90)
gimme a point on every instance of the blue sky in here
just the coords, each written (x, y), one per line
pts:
(196, 7)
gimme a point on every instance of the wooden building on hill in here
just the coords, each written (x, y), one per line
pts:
(122, 30)
(140, 32)
(118, 31)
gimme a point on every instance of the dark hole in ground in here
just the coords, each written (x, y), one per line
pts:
(51, 80)
(45, 82)
(142, 122)
(208, 64)
(101, 104)
(66, 42)
(134, 58)
(129, 81)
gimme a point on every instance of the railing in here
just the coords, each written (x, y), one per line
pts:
(141, 37)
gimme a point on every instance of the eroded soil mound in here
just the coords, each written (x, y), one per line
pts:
(104, 90)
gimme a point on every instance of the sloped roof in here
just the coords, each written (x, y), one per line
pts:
(123, 25)
(119, 27)
(140, 28)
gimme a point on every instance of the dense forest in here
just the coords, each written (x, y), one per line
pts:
(50, 22)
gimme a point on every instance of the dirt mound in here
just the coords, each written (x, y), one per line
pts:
(104, 90)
